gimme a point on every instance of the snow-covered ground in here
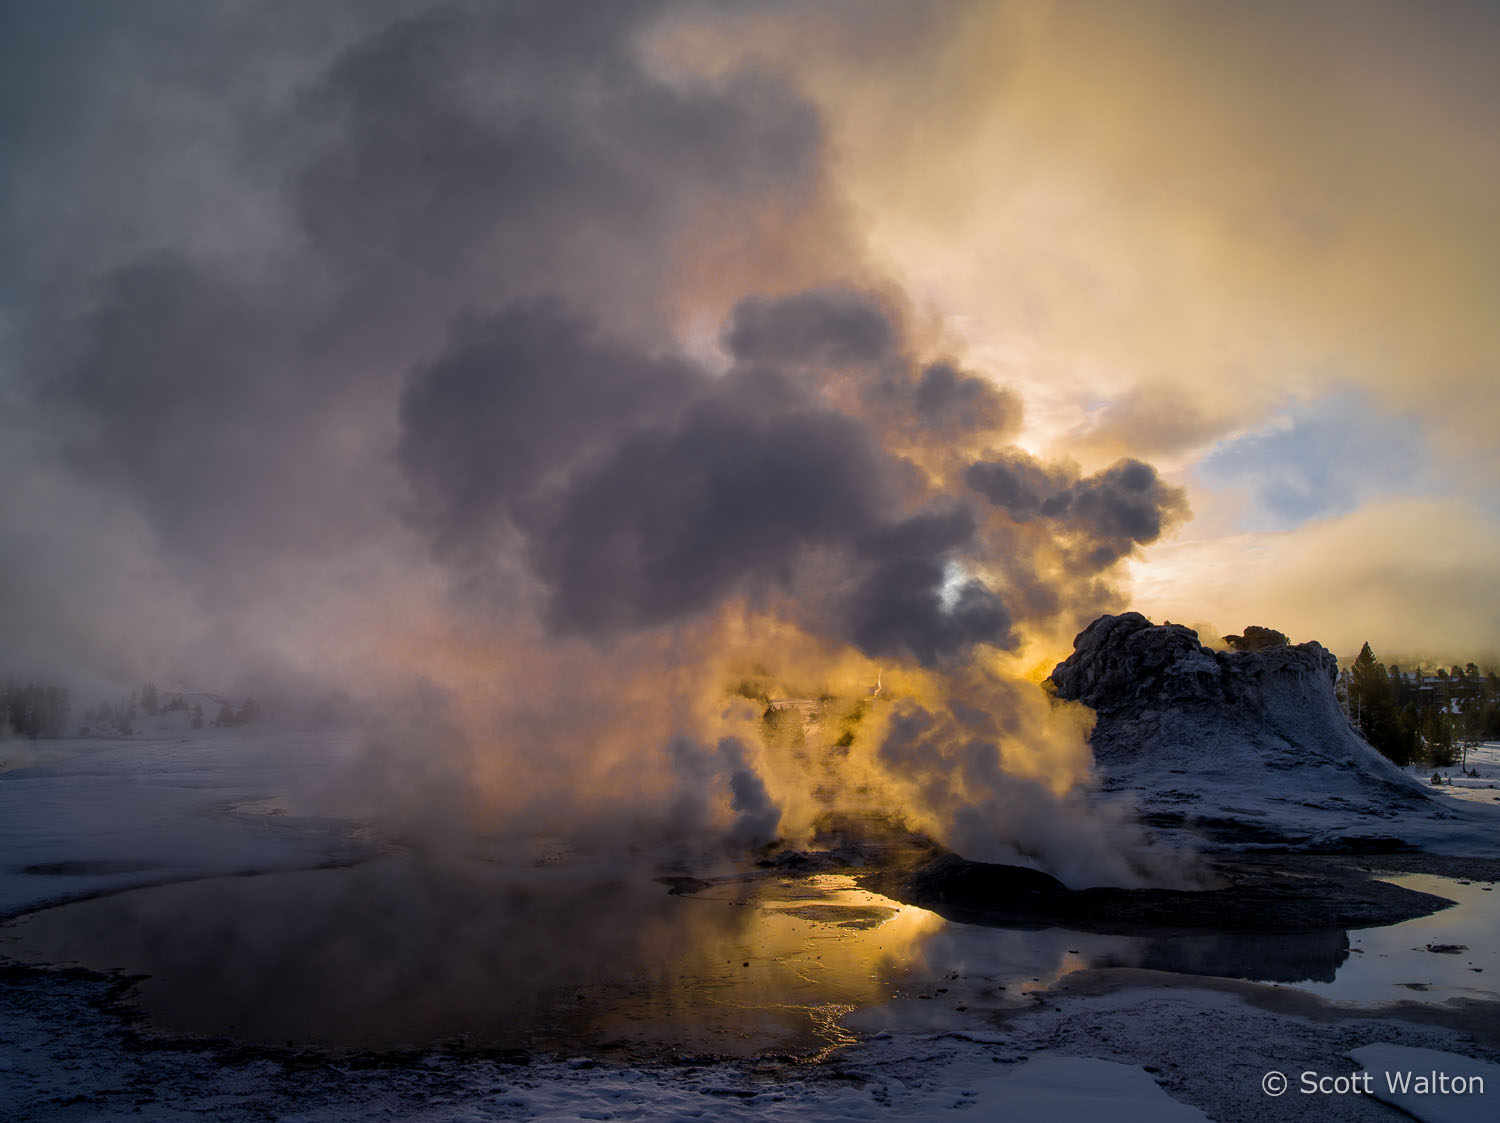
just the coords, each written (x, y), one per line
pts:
(948, 1035)
(97, 814)
(1242, 791)
(1476, 779)
(1405, 1078)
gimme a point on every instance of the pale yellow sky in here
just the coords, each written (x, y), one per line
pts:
(1183, 226)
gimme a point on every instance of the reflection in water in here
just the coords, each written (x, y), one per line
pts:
(380, 955)
(1393, 964)
(396, 953)
(801, 955)
(1270, 957)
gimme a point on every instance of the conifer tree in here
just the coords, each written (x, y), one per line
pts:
(1373, 704)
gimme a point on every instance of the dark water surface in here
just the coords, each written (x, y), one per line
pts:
(399, 953)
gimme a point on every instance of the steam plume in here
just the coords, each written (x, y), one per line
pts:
(516, 373)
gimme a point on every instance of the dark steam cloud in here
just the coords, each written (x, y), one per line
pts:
(902, 607)
(677, 519)
(175, 391)
(516, 149)
(948, 401)
(516, 398)
(530, 422)
(827, 326)
(219, 345)
(480, 354)
(1112, 512)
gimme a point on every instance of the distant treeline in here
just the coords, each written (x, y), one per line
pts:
(1422, 715)
(120, 717)
(229, 716)
(151, 704)
(33, 711)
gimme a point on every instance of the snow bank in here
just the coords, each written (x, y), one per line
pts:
(1432, 1085)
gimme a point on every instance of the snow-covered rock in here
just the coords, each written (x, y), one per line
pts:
(1248, 747)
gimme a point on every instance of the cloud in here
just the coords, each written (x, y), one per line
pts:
(474, 361)
(515, 151)
(902, 605)
(514, 398)
(410, 167)
(1325, 457)
(948, 401)
(646, 491)
(826, 327)
(1150, 420)
(1112, 512)
(1157, 273)
(1411, 575)
(172, 392)
(678, 518)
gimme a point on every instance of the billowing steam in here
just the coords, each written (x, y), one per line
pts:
(467, 362)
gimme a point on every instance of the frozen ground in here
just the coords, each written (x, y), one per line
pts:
(1482, 787)
(96, 814)
(1077, 1038)
(1396, 1075)
(1243, 796)
(1237, 802)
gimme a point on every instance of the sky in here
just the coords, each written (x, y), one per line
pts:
(543, 368)
(1254, 244)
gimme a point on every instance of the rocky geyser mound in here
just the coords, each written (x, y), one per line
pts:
(1239, 747)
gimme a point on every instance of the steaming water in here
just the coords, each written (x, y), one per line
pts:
(394, 954)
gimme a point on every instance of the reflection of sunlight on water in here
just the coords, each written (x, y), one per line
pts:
(1393, 964)
(563, 957)
(1069, 963)
(819, 959)
(547, 956)
(807, 953)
